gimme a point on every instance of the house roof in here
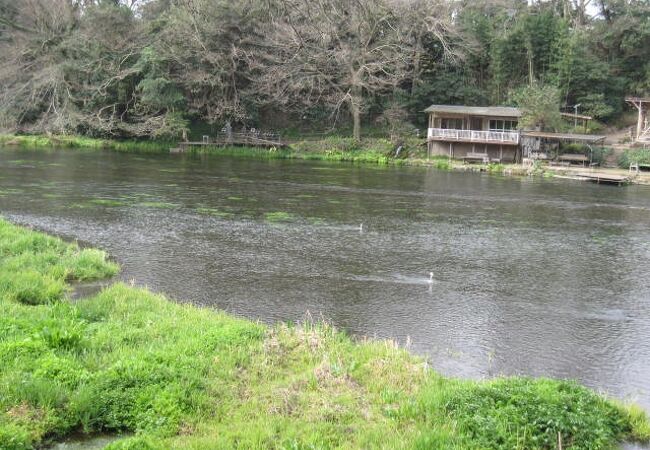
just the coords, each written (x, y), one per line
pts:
(638, 99)
(576, 116)
(491, 111)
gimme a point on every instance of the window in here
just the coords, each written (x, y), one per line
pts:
(476, 123)
(451, 124)
(503, 125)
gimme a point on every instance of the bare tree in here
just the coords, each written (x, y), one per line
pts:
(209, 42)
(70, 68)
(340, 52)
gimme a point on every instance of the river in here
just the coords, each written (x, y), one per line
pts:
(531, 276)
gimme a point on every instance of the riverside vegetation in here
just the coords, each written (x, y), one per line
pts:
(328, 148)
(332, 148)
(178, 376)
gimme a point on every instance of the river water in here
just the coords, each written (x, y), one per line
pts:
(539, 277)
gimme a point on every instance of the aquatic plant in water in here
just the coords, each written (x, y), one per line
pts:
(214, 212)
(107, 202)
(279, 216)
(159, 205)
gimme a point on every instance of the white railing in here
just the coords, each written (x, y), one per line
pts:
(509, 137)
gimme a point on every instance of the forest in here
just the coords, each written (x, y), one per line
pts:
(151, 69)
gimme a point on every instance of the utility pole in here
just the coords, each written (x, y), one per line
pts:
(575, 115)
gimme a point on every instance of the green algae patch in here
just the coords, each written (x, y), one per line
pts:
(176, 376)
(107, 202)
(214, 212)
(81, 206)
(316, 220)
(158, 205)
(279, 216)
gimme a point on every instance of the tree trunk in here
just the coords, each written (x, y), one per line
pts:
(531, 74)
(355, 110)
(416, 64)
(356, 119)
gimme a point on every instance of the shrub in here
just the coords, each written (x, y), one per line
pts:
(30, 287)
(60, 369)
(527, 413)
(90, 264)
(495, 168)
(63, 334)
(13, 437)
(634, 156)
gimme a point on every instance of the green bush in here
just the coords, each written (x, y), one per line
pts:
(34, 267)
(529, 413)
(574, 148)
(442, 163)
(13, 437)
(61, 369)
(600, 154)
(30, 287)
(634, 156)
(89, 264)
(495, 168)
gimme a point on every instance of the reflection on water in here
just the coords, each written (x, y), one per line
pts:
(537, 277)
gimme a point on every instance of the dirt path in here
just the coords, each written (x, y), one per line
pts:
(613, 140)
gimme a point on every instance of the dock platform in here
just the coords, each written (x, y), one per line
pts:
(604, 178)
(245, 139)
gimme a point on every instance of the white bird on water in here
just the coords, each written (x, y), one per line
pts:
(361, 228)
(430, 280)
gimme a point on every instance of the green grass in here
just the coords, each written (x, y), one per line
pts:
(34, 267)
(333, 148)
(370, 150)
(81, 142)
(178, 376)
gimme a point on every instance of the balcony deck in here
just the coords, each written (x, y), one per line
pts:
(474, 136)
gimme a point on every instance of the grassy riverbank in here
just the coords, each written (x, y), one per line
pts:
(81, 142)
(127, 360)
(329, 148)
(372, 150)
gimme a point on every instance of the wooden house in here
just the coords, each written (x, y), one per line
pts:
(487, 134)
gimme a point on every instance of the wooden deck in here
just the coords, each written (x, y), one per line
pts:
(248, 139)
(604, 178)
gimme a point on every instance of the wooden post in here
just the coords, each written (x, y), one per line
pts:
(639, 123)
(641, 105)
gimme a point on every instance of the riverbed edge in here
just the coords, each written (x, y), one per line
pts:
(334, 149)
(380, 391)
